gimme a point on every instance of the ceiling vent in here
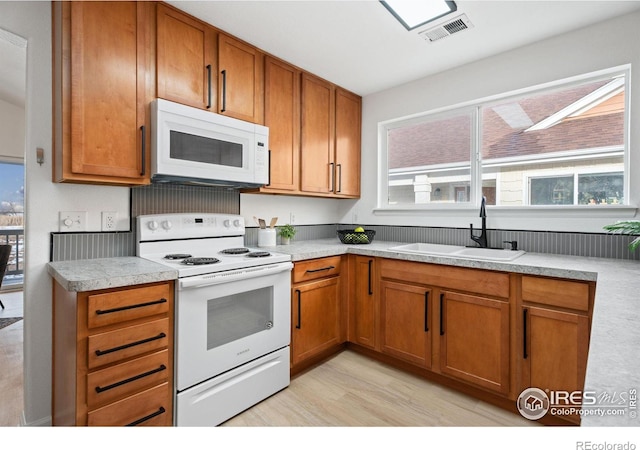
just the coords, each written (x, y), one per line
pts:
(455, 25)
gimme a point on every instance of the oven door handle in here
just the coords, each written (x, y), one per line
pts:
(234, 275)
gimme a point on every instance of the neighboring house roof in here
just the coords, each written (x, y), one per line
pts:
(446, 141)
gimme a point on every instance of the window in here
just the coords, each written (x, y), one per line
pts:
(564, 144)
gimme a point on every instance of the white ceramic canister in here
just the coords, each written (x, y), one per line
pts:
(267, 237)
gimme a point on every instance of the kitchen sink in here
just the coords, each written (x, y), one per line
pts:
(456, 251)
(430, 249)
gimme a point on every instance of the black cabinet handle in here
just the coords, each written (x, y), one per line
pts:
(224, 91)
(299, 324)
(125, 308)
(161, 410)
(426, 311)
(143, 166)
(269, 168)
(370, 287)
(339, 166)
(208, 86)
(132, 344)
(524, 333)
(441, 315)
(100, 389)
(332, 172)
(322, 269)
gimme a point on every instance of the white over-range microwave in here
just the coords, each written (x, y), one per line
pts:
(194, 146)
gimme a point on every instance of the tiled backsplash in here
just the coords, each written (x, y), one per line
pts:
(159, 199)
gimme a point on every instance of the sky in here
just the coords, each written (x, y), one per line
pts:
(11, 182)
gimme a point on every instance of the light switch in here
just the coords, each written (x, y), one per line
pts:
(72, 221)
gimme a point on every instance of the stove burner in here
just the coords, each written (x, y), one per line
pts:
(177, 256)
(235, 251)
(200, 261)
(258, 254)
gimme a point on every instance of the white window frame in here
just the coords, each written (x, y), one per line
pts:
(384, 208)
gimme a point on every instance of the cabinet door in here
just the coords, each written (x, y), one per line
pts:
(315, 312)
(107, 93)
(282, 116)
(406, 322)
(186, 59)
(364, 305)
(554, 350)
(240, 80)
(347, 144)
(317, 142)
(474, 340)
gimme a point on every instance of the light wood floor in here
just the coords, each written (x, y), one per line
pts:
(349, 390)
(11, 339)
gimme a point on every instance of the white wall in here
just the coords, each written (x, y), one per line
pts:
(11, 132)
(32, 21)
(305, 210)
(612, 43)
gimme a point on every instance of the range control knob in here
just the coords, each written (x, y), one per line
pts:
(227, 223)
(167, 224)
(153, 225)
(236, 223)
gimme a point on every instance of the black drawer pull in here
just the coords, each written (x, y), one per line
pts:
(369, 284)
(426, 311)
(137, 305)
(224, 91)
(525, 355)
(208, 86)
(132, 344)
(100, 389)
(161, 410)
(321, 269)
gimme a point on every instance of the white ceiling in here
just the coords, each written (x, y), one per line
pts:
(360, 46)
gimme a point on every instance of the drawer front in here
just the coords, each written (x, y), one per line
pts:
(116, 382)
(316, 268)
(127, 342)
(460, 278)
(561, 293)
(152, 407)
(128, 304)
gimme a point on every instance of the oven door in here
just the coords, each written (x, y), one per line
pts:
(228, 318)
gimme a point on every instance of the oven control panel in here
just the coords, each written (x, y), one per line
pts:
(187, 225)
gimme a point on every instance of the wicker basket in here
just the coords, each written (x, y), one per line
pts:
(354, 237)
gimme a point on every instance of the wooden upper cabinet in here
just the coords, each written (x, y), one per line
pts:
(186, 59)
(282, 116)
(318, 128)
(240, 80)
(101, 92)
(347, 145)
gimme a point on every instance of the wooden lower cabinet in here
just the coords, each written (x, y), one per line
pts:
(406, 322)
(474, 340)
(113, 356)
(363, 304)
(316, 309)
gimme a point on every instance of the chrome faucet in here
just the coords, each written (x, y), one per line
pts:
(481, 240)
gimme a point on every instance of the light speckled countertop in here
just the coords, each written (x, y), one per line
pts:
(102, 273)
(613, 366)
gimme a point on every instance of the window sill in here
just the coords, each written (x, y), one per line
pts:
(618, 212)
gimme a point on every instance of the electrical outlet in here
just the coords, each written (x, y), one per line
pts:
(292, 218)
(109, 220)
(72, 221)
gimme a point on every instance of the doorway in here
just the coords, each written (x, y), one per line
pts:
(13, 55)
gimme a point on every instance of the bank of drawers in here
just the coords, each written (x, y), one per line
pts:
(129, 360)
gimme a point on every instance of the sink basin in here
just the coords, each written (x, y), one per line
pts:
(456, 251)
(430, 249)
(493, 254)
